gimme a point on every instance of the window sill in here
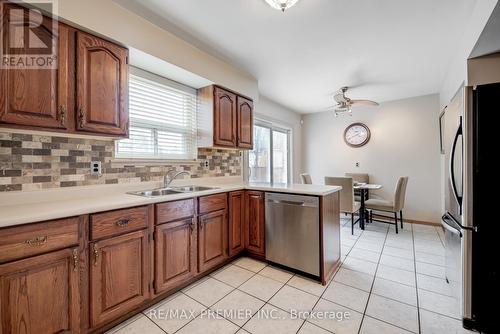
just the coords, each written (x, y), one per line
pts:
(140, 162)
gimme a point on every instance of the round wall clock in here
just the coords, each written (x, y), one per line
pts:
(357, 135)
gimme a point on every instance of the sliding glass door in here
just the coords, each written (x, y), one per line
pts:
(269, 161)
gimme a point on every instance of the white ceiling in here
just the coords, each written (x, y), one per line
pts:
(385, 49)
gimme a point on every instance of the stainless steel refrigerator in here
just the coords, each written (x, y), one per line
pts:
(471, 228)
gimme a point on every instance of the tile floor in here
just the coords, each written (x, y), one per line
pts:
(388, 283)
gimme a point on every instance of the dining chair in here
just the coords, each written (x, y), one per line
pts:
(362, 178)
(306, 178)
(395, 206)
(347, 203)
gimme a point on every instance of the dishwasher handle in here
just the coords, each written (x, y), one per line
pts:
(302, 203)
(294, 203)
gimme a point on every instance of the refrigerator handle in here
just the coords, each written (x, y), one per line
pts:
(450, 217)
(453, 229)
(452, 165)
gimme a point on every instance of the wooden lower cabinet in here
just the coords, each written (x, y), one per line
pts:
(255, 223)
(236, 222)
(119, 276)
(41, 294)
(212, 239)
(82, 273)
(175, 254)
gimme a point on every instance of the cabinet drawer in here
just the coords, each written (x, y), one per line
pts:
(28, 240)
(212, 203)
(170, 211)
(117, 222)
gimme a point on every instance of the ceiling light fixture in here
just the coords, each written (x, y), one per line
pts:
(344, 103)
(281, 4)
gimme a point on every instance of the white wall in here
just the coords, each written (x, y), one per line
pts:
(271, 111)
(109, 19)
(404, 142)
(457, 70)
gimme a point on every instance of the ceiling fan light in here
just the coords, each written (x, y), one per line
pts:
(281, 4)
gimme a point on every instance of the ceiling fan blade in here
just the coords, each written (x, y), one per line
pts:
(364, 102)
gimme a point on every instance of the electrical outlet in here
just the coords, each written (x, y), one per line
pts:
(357, 164)
(206, 163)
(95, 168)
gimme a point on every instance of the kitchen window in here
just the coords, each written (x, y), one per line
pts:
(162, 119)
(269, 161)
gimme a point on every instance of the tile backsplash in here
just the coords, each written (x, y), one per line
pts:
(32, 162)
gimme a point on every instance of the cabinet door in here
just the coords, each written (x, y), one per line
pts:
(254, 223)
(102, 86)
(175, 254)
(245, 123)
(34, 97)
(225, 118)
(41, 294)
(119, 279)
(236, 222)
(212, 230)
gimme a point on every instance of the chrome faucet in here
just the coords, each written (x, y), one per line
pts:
(168, 179)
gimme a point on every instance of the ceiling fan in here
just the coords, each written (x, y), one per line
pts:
(344, 104)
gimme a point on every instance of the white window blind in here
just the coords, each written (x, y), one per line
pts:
(162, 119)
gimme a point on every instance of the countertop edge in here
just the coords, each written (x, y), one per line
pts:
(122, 201)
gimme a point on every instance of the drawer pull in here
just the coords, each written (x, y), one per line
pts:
(37, 241)
(75, 259)
(123, 222)
(96, 253)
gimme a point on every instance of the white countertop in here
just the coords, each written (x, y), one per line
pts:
(34, 206)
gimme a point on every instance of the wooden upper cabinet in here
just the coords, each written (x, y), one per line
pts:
(86, 89)
(101, 86)
(255, 223)
(41, 294)
(212, 240)
(175, 254)
(236, 222)
(225, 118)
(245, 123)
(34, 97)
(119, 276)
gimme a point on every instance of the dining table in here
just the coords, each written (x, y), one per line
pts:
(364, 188)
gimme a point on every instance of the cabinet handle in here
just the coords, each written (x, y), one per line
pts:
(82, 117)
(62, 115)
(123, 222)
(96, 253)
(191, 226)
(37, 241)
(75, 259)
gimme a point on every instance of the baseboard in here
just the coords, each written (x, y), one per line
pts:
(408, 221)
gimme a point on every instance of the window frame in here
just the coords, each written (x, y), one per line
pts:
(159, 160)
(278, 127)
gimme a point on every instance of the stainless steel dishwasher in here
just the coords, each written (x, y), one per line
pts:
(292, 231)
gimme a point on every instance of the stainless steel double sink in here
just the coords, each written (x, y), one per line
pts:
(171, 191)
